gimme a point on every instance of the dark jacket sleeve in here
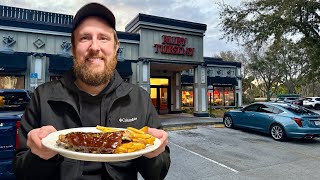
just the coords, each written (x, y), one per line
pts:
(27, 165)
(157, 167)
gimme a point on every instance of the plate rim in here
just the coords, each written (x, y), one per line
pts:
(91, 156)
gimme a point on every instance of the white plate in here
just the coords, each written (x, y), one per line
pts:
(50, 142)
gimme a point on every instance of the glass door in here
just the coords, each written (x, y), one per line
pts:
(159, 93)
(163, 108)
(154, 98)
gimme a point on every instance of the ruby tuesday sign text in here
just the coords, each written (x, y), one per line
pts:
(173, 45)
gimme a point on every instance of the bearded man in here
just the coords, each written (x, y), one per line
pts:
(92, 93)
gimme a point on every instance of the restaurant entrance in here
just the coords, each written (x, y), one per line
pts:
(159, 93)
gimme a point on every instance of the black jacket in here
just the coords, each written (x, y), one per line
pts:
(56, 103)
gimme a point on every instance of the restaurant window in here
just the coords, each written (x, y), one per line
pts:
(229, 96)
(223, 96)
(187, 96)
(218, 96)
(12, 82)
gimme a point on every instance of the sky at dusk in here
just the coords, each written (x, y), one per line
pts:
(199, 11)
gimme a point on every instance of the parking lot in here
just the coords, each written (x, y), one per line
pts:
(221, 153)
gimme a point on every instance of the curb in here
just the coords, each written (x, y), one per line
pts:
(172, 127)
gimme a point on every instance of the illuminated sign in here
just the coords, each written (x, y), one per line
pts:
(173, 45)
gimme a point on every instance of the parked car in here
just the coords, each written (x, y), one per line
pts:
(312, 102)
(286, 99)
(12, 106)
(8, 143)
(298, 101)
(280, 120)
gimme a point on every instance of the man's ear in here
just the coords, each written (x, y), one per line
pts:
(117, 45)
(72, 51)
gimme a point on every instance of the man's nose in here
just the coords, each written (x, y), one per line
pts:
(95, 45)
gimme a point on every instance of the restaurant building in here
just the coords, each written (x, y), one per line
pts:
(164, 56)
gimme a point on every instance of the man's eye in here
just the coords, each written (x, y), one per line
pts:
(104, 38)
(84, 38)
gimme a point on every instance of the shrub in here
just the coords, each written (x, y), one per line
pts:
(188, 110)
(218, 112)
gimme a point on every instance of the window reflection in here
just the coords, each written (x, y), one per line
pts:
(13, 101)
(11, 82)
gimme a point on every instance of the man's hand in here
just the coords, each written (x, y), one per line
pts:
(34, 142)
(163, 136)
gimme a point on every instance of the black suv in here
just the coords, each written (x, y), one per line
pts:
(12, 105)
(13, 100)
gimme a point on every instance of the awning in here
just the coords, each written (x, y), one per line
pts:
(15, 62)
(59, 64)
(222, 81)
(185, 79)
(124, 68)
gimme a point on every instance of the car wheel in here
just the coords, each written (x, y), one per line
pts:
(278, 133)
(227, 121)
(317, 107)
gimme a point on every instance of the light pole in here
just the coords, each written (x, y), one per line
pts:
(210, 88)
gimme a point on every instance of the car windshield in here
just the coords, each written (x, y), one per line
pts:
(296, 109)
(13, 101)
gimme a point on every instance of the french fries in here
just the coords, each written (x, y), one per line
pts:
(135, 130)
(139, 139)
(129, 147)
(144, 129)
(107, 129)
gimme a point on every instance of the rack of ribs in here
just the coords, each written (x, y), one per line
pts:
(99, 143)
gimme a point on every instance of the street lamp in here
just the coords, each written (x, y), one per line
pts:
(210, 89)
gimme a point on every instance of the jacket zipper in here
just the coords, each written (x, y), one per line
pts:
(108, 123)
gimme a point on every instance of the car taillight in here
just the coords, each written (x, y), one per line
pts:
(17, 132)
(298, 121)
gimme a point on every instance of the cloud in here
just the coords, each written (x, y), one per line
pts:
(199, 11)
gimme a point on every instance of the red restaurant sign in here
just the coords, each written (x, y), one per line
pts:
(173, 45)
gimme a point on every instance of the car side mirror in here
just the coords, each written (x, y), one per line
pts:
(241, 109)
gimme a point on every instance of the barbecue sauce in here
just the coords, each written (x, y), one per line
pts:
(94, 142)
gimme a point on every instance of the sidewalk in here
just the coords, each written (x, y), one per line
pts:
(187, 120)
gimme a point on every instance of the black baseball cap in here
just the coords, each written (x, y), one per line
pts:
(94, 9)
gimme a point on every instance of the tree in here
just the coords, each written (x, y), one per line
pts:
(267, 71)
(293, 63)
(256, 22)
(229, 56)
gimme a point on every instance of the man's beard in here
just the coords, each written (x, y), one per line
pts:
(90, 76)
